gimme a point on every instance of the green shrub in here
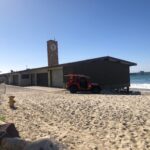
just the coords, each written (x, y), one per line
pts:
(2, 118)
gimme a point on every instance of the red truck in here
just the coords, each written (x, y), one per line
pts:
(78, 82)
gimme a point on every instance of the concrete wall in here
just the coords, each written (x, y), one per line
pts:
(25, 82)
(21, 81)
(34, 74)
(3, 79)
(32, 80)
(56, 77)
(106, 73)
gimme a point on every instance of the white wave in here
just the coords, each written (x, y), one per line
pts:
(140, 86)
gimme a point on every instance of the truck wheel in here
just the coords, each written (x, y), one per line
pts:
(73, 89)
(96, 90)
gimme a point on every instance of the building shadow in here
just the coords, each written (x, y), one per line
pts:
(112, 92)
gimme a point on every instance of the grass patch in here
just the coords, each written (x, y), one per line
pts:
(2, 118)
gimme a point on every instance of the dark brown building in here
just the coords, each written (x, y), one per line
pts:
(109, 72)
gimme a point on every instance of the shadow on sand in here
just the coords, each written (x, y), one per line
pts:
(112, 92)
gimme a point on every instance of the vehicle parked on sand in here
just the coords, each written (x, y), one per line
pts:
(77, 82)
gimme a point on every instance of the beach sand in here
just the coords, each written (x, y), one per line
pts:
(81, 121)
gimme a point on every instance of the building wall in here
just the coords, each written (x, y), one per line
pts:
(52, 77)
(4, 79)
(56, 77)
(106, 73)
(25, 81)
(16, 78)
(34, 75)
(31, 80)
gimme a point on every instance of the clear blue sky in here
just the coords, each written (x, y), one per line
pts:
(84, 29)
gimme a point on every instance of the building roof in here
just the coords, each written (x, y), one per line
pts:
(106, 58)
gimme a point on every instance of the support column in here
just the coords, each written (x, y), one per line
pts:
(49, 78)
(35, 79)
(128, 90)
(19, 80)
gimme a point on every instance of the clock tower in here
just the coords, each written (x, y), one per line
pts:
(52, 50)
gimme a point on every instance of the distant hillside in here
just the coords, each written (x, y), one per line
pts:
(140, 73)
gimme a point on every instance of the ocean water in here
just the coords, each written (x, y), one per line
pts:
(140, 81)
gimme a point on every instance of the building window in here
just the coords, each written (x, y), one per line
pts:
(25, 76)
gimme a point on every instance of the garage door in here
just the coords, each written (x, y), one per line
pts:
(15, 80)
(42, 79)
(32, 79)
(57, 78)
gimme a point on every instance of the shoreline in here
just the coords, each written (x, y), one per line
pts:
(140, 90)
(140, 86)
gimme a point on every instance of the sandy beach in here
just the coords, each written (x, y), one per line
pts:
(81, 121)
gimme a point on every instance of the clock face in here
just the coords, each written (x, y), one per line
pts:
(53, 47)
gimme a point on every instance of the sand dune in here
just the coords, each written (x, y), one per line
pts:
(82, 121)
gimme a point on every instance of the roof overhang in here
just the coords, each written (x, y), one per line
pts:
(106, 58)
(112, 59)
